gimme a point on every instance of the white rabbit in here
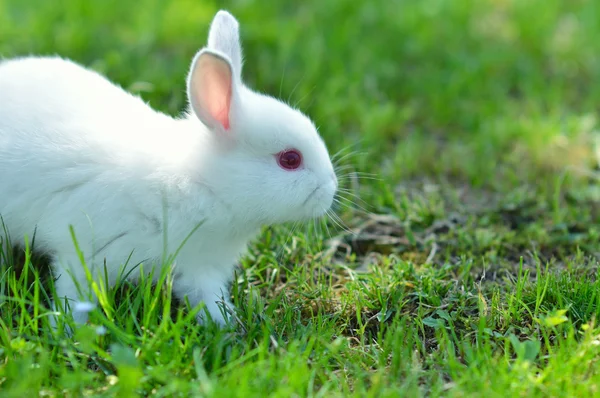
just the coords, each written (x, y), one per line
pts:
(78, 150)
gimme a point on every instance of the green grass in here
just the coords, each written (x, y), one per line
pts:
(473, 267)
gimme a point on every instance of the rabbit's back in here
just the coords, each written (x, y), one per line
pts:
(55, 104)
(74, 149)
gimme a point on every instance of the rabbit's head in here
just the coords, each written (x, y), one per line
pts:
(266, 161)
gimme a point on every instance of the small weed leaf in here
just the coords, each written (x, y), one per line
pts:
(527, 350)
(435, 323)
(492, 333)
(554, 319)
(384, 315)
(444, 315)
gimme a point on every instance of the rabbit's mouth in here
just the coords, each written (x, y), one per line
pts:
(320, 199)
(310, 195)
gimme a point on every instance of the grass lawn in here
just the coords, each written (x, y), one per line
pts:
(467, 263)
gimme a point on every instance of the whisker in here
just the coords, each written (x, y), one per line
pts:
(304, 96)
(355, 196)
(343, 166)
(347, 190)
(339, 222)
(359, 177)
(359, 174)
(281, 82)
(327, 228)
(346, 156)
(346, 227)
(312, 101)
(295, 87)
(330, 215)
(341, 151)
(350, 204)
(338, 153)
(343, 170)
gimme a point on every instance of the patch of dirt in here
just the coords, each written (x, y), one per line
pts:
(466, 209)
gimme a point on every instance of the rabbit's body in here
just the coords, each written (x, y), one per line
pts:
(108, 175)
(77, 150)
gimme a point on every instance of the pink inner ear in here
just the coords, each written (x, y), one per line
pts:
(214, 89)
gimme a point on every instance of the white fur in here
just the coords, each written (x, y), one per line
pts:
(77, 150)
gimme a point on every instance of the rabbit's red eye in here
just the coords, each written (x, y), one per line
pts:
(289, 159)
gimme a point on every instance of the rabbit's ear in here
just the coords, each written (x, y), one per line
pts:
(211, 89)
(224, 37)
